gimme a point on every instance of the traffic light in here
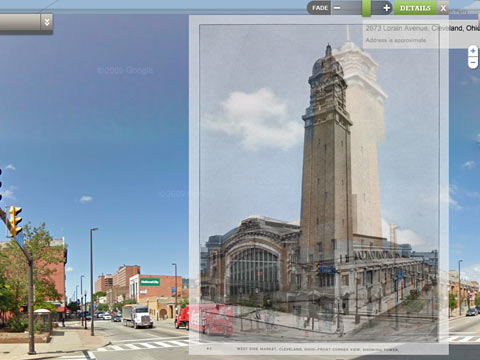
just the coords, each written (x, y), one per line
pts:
(24, 308)
(14, 220)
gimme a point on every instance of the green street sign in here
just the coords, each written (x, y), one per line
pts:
(149, 282)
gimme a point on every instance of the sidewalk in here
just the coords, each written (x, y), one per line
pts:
(68, 340)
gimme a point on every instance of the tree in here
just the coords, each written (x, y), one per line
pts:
(73, 306)
(477, 299)
(102, 307)
(120, 305)
(184, 302)
(99, 294)
(7, 299)
(452, 301)
(14, 264)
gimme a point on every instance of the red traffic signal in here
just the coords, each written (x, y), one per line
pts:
(24, 308)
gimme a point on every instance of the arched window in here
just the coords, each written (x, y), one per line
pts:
(252, 269)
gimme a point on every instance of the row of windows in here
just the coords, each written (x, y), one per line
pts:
(253, 270)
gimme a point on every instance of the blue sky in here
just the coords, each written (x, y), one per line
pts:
(71, 128)
(464, 164)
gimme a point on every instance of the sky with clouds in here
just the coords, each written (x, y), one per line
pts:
(464, 166)
(253, 92)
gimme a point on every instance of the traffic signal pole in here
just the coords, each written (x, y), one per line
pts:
(31, 330)
(14, 230)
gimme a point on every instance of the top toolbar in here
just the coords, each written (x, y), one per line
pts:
(368, 8)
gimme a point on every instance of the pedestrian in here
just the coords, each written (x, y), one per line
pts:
(63, 319)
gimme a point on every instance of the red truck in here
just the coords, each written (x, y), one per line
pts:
(209, 319)
(183, 318)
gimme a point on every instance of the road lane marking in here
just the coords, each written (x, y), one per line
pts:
(451, 338)
(132, 346)
(147, 345)
(178, 343)
(162, 344)
(116, 347)
(152, 338)
(466, 338)
(478, 340)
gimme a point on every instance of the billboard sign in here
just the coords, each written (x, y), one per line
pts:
(149, 281)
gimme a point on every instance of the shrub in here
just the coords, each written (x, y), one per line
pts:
(17, 325)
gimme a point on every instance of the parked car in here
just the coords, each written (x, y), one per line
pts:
(100, 314)
(478, 309)
(107, 317)
(472, 312)
(117, 318)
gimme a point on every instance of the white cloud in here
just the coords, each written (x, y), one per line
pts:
(9, 193)
(86, 199)
(473, 194)
(10, 167)
(68, 269)
(445, 198)
(259, 119)
(404, 236)
(469, 165)
(471, 272)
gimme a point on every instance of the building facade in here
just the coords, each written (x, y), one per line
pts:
(146, 286)
(103, 283)
(122, 277)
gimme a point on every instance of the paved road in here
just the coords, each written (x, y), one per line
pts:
(167, 343)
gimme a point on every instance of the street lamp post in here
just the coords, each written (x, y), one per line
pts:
(81, 296)
(85, 302)
(459, 289)
(76, 293)
(91, 281)
(176, 291)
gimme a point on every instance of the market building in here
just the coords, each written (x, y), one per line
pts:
(335, 261)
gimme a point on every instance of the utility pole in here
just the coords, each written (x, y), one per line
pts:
(31, 330)
(459, 289)
(176, 291)
(81, 301)
(86, 308)
(91, 281)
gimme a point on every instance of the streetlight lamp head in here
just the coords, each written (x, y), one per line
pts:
(94, 229)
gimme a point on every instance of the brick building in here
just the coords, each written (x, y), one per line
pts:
(124, 273)
(146, 286)
(103, 283)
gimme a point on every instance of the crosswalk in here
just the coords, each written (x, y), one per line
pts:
(461, 338)
(144, 345)
(85, 355)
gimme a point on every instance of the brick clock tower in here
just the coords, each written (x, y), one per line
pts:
(326, 215)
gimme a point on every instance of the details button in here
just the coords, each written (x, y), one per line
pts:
(415, 8)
